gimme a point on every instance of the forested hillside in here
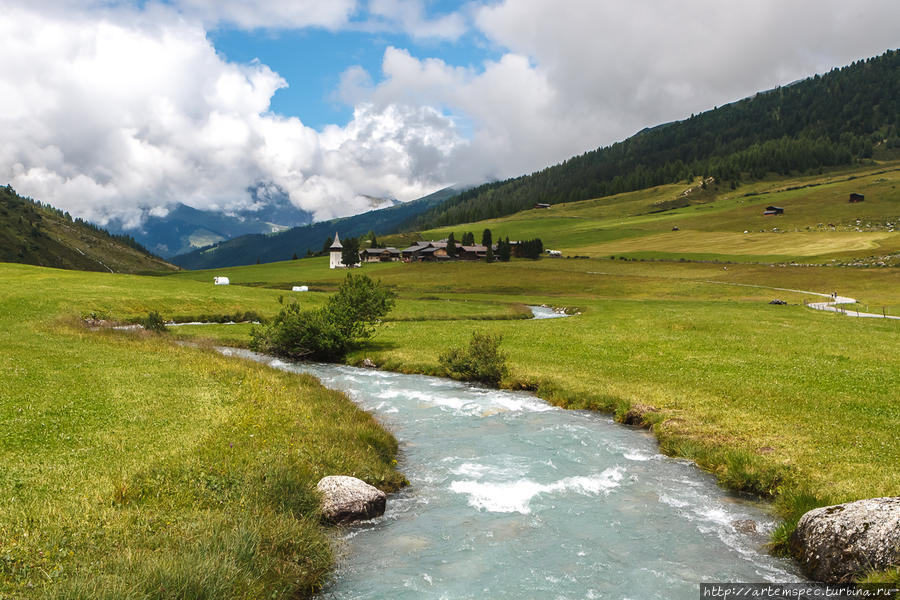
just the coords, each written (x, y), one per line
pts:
(848, 114)
(38, 234)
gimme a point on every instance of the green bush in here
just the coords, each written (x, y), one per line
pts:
(327, 333)
(481, 361)
(154, 322)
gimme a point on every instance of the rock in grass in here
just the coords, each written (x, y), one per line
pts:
(348, 499)
(836, 543)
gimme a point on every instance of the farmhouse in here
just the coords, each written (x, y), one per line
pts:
(426, 251)
(370, 255)
(854, 197)
(542, 205)
(773, 210)
(472, 252)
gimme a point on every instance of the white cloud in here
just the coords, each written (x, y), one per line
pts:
(581, 74)
(109, 109)
(280, 14)
(410, 16)
(109, 116)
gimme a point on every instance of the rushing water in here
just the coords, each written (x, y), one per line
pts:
(513, 498)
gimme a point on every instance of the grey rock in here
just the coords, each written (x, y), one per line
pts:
(347, 499)
(744, 525)
(836, 543)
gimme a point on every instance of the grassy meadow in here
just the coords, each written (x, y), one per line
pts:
(783, 401)
(138, 468)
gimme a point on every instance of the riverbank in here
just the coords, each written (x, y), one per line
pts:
(783, 401)
(514, 498)
(137, 467)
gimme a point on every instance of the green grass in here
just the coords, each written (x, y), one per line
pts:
(712, 225)
(783, 401)
(135, 467)
(793, 404)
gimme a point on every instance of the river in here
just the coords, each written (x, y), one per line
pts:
(511, 497)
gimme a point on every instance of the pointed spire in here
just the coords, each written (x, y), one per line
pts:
(337, 242)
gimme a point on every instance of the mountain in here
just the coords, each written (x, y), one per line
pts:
(850, 114)
(283, 245)
(185, 228)
(37, 234)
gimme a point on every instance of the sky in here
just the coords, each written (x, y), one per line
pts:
(116, 109)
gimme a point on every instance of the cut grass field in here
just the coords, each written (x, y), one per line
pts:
(138, 468)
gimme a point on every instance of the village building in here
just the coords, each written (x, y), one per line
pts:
(773, 210)
(335, 255)
(854, 197)
(370, 255)
(542, 205)
(425, 251)
(472, 252)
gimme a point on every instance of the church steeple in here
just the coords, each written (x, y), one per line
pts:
(335, 252)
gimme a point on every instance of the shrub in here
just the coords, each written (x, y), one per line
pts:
(154, 322)
(481, 361)
(327, 333)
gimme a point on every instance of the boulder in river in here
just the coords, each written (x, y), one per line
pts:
(836, 543)
(347, 499)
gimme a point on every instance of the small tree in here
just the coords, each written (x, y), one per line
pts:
(451, 246)
(480, 361)
(329, 332)
(504, 250)
(487, 239)
(350, 252)
(468, 239)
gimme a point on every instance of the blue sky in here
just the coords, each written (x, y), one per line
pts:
(312, 61)
(116, 109)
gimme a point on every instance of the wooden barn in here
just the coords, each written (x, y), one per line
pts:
(854, 197)
(773, 210)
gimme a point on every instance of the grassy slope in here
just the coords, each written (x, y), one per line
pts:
(137, 468)
(713, 226)
(32, 234)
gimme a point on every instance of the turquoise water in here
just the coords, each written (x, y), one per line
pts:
(513, 498)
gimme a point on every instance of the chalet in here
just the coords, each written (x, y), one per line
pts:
(773, 210)
(370, 255)
(425, 251)
(541, 205)
(856, 198)
(472, 252)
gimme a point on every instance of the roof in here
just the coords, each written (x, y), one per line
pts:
(389, 250)
(336, 245)
(476, 248)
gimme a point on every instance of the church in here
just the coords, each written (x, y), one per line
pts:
(335, 254)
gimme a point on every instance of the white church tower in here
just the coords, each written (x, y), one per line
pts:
(335, 254)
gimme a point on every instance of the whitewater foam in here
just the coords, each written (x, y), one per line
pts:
(516, 496)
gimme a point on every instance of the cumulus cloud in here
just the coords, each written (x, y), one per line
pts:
(574, 77)
(108, 117)
(109, 108)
